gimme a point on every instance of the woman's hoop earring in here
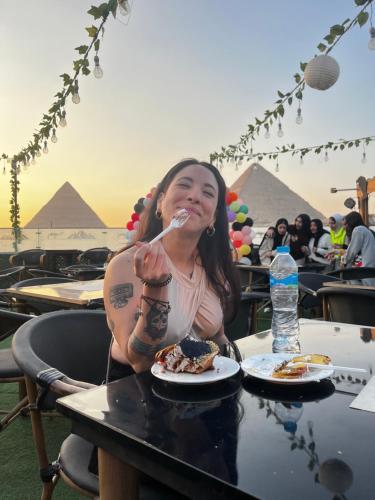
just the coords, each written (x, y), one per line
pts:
(210, 231)
(158, 214)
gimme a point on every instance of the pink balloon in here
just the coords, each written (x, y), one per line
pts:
(231, 234)
(240, 201)
(246, 230)
(136, 224)
(237, 236)
(246, 239)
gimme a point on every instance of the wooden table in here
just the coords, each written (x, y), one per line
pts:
(352, 284)
(71, 294)
(238, 439)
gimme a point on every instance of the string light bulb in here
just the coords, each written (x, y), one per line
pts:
(98, 72)
(28, 162)
(371, 43)
(45, 148)
(62, 121)
(38, 153)
(33, 159)
(75, 96)
(4, 170)
(326, 157)
(267, 135)
(124, 7)
(299, 118)
(301, 160)
(54, 136)
(277, 168)
(280, 132)
(364, 158)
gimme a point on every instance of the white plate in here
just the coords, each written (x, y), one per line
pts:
(223, 368)
(262, 365)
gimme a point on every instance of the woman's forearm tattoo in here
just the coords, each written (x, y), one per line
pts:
(156, 318)
(143, 348)
(119, 294)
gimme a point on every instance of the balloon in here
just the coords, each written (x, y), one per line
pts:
(236, 226)
(247, 239)
(249, 221)
(234, 206)
(228, 199)
(252, 233)
(237, 243)
(149, 195)
(136, 224)
(245, 260)
(231, 216)
(237, 236)
(244, 249)
(246, 230)
(146, 201)
(134, 217)
(240, 217)
(140, 201)
(130, 225)
(138, 207)
(244, 209)
(231, 234)
(152, 191)
(239, 201)
(233, 196)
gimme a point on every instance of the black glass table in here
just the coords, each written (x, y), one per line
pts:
(239, 438)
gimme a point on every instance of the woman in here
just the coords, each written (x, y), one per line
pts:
(337, 231)
(275, 237)
(320, 244)
(299, 238)
(362, 241)
(156, 294)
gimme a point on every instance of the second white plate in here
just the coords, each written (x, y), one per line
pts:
(262, 365)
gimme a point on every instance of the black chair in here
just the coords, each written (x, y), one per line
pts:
(35, 273)
(27, 258)
(42, 281)
(245, 321)
(95, 256)
(61, 353)
(10, 276)
(54, 260)
(10, 321)
(83, 272)
(348, 305)
(353, 273)
(309, 284)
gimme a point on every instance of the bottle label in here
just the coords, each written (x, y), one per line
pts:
(290, 281)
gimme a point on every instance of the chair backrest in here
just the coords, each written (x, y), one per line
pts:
(353, 273)
(94, 256)
(53, 260)
(10, 276)
(10, 321)
(314, 281)
(350, 305)
(41, 281)
(74, 342)
(26, 257)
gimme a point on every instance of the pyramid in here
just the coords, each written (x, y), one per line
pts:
(269, 199)
(66, 209)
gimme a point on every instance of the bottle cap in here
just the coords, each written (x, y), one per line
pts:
(283, 249)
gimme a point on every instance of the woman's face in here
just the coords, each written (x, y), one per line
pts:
(332, 223)
(281, 229)
(195, 189)
(299, 223)
(313, 228)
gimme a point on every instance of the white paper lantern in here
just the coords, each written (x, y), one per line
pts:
(322, 72)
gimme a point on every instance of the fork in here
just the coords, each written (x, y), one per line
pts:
(178, 220)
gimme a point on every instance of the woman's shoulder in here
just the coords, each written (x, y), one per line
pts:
(122, 260)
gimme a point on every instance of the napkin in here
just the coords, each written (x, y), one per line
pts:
(366, 398)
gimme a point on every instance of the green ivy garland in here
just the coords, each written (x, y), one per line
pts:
(335, 34)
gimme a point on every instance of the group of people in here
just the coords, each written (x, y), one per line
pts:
(347, 240)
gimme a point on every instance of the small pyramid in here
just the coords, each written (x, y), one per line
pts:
(269, 199)
(66, 209)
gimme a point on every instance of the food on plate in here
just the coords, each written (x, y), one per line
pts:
(296, 367)
(192, 356)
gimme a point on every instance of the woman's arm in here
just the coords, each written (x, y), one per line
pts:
(137, 314)
(354, 247)
(324, 245)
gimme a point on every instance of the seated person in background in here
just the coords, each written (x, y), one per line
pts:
(156, 294)
(277, 236)
(337, 231)
(299, 238)
(362, 241)
(320, 243)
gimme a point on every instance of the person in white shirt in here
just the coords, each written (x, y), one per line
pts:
(362, 241)
(320, 244)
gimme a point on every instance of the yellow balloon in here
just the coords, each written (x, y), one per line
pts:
(240, 217)
(244, 250)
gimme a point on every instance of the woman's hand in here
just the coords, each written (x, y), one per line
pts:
(270, 233)
(304, 249)
(150, 262)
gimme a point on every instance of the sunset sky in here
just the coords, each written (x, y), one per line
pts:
(180, 79)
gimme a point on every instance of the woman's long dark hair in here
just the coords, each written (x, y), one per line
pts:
(214, 251)
(320, 231)
(278, 239)
(353, 219)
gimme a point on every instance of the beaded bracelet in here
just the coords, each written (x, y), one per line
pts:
(157, 284)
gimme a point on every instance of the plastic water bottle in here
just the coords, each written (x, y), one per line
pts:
(284, 296)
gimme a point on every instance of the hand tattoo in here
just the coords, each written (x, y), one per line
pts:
(119, 294)
(156, 323)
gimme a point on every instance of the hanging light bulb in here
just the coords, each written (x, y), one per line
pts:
(240, 162)
(28, 162)
(277, 168)
(98, 72)
(45, 149)
(267, 135)
(62, 121)
(38, 153)
(33, 159)
(299, 118)
(54, 136)
(301, 160)
(364, 158)
(4, 170)
(326, 157)
(75, 96)
(124, 7)
(280, 132)
(371, 43)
